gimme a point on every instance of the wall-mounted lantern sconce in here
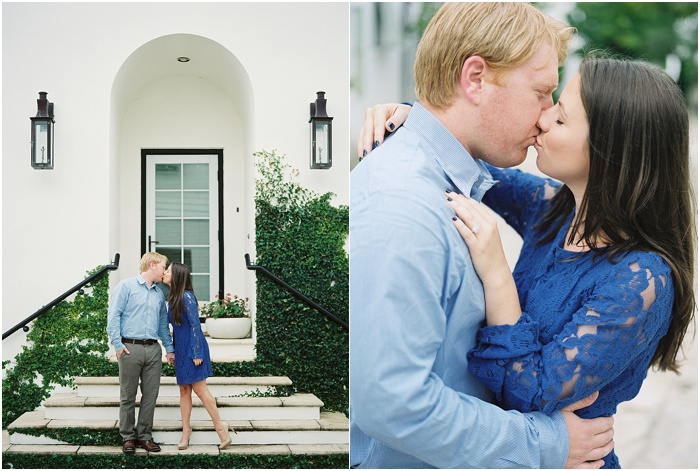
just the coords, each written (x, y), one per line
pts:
(321, 134)
(42, 134)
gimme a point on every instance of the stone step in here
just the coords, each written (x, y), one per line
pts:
(220, 350)
(70, 406)
(331, 428)
(218, 386)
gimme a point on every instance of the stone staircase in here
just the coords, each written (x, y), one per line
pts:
(220, 350)
(261, 423)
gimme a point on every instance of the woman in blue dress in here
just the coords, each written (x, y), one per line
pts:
(192, 362)
(603, 288)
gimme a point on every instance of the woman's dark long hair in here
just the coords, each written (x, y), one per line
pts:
(180, 282)
(639, 195)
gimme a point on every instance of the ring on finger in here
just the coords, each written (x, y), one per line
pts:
(476, 228)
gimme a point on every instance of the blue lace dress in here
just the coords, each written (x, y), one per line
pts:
(190, 344)
(586, 325)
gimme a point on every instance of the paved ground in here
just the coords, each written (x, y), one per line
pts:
(659, 427)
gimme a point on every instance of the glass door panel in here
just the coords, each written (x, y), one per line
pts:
(182, 215)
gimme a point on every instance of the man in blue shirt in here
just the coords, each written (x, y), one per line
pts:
(136, 320)
(484, 73)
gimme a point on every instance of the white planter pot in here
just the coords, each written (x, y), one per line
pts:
(228, 328)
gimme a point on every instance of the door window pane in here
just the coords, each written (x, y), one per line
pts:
(196, 176)
(200, 283)
(197, 258)
(173, 254)
(196, 232)
(196, 204)
(168, 177)
(168, 232)
(168, 204)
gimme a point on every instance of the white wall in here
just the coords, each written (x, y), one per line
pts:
(57, 224)
(383, 50)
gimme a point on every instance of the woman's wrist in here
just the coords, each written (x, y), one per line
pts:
(502, 303)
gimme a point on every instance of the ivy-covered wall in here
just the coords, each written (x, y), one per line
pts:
(300, 237)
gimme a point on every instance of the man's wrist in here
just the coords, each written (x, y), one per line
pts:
(554, 438)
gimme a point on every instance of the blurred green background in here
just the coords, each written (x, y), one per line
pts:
(664, 33)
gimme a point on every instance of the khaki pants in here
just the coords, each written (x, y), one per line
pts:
(144, 363)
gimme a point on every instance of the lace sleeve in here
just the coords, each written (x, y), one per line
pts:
(196, 348)
(520, 198)
(622, 318)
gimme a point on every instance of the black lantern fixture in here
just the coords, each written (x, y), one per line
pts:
(42, 134)
(321, 134)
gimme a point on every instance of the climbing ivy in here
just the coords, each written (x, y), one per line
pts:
(300, 237)
(67, 341)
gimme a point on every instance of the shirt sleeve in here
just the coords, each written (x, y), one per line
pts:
(192, 312)
(117, 304)
(621, 319)
(520, 198)
(399, 324)
(163, 327)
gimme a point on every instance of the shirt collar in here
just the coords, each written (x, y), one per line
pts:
(142, 281)
(468, 175)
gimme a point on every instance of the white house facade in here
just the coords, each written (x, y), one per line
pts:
(158, 110)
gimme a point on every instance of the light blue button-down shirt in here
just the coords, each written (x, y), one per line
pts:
(138, 312)
(416, 304)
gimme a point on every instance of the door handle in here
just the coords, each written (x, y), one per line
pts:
(150, 243)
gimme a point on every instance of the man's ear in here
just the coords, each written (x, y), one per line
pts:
(471, 80)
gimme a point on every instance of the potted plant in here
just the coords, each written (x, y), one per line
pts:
(227, 318)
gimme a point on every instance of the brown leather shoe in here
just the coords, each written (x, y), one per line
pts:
(148, 445)
(128, 447)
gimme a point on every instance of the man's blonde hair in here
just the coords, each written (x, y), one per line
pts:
(149, 257)
(504, 34)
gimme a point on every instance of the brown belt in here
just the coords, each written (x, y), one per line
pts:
(139, 342)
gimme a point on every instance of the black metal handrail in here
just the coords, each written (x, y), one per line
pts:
(23, 325)
(296, 293)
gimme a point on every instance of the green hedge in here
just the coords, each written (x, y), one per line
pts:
(222, 461)
(300, 237)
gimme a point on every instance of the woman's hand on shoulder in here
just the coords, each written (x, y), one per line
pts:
(379, 120)
(480, 232)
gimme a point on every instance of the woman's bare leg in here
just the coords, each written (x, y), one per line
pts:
(186, 412)
(200, 388)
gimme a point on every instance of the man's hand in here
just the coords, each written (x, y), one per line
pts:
(122, 351)
(171, 358)
(589, 439)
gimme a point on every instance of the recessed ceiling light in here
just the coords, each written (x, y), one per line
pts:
(183, 59)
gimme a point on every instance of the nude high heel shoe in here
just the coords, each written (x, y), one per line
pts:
(184, 443)
(227, 442)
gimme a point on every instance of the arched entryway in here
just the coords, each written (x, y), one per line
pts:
(188, 102)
